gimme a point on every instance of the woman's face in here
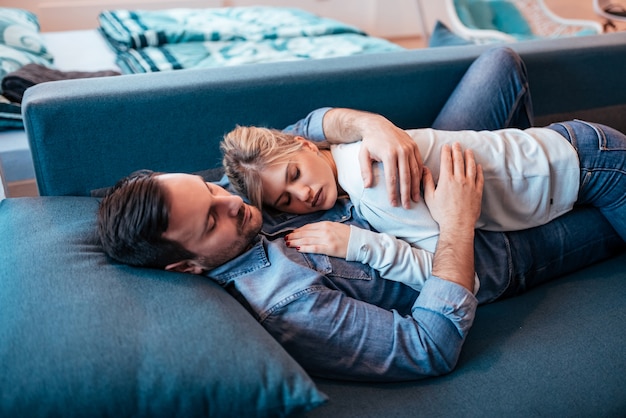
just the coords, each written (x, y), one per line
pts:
(305, 182)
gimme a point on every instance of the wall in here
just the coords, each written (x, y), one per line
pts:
(58, 15)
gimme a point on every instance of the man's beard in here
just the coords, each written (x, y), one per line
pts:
(246, 233)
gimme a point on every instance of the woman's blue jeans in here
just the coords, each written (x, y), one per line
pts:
(602, 154)
(494, 94)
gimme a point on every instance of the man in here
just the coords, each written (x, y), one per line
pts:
(338, 318)
(301, 305)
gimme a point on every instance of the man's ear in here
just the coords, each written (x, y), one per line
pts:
(306, 144)
(186, 266)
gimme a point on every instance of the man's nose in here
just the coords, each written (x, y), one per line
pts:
(231, 204)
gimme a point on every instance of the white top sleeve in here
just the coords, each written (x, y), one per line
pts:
(394, 259)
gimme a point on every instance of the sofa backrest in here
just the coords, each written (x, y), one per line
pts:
(86, 134)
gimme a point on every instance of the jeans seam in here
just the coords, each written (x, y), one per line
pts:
(602, 142)
(514, 109)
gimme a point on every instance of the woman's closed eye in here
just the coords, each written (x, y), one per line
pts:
(293, 172)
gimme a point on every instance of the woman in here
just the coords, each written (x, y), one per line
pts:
(531, 176)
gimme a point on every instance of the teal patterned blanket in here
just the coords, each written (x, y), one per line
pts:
(20, 44)
(148, 41)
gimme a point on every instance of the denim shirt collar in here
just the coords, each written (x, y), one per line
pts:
(254, 259)
(276, 224)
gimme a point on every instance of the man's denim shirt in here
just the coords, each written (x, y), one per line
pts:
(340, 319)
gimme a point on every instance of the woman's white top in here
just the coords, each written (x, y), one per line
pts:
(531, 177)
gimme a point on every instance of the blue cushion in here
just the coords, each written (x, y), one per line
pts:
(464, 14)
(482, 14)
(442, 36)
(509, 19)
(82, 336)
(497, 15)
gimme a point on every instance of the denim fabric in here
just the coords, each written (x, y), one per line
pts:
(602, 154)
(339, 319)
(578, 239)
(489, 96)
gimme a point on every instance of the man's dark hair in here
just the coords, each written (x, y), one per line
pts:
(132, 219)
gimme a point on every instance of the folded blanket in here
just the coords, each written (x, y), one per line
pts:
(126, 29)
(220, 53)
(15, 83)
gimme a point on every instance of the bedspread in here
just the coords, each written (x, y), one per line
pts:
(225, 53)
(173, 39)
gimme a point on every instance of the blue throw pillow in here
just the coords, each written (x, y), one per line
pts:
(82, 336)
(442, 36)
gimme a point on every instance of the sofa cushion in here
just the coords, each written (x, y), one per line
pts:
(83, 336)
(556, 351)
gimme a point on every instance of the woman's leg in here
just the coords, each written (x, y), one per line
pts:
(602, 154)
(493, 94)
(510, 263)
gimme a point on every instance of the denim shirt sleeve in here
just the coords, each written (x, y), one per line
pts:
(311, 127)
(334, 336)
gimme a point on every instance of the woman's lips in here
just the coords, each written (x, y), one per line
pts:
(317, 198)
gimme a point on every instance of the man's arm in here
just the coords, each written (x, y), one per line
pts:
(455, 204)
(382, 141)
(380, 344)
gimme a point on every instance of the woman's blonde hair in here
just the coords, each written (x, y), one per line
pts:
(249, 150)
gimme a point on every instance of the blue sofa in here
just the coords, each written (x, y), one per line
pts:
(83, 336)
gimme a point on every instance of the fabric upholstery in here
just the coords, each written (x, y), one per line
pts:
(556, 351)
(82, 336)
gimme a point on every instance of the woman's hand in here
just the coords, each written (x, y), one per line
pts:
(330, 238)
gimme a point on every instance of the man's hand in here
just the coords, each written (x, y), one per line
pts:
(330, 238)
(401, 160)
(455, 204)
(455, 201)
(384, 142)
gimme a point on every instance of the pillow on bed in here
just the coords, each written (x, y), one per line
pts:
(20, 41)
(82, 336)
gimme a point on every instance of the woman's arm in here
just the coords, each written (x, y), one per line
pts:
(392, 258)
